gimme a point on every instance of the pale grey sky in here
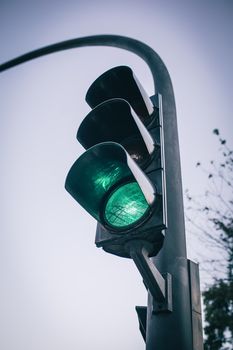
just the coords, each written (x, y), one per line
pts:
(58, 291)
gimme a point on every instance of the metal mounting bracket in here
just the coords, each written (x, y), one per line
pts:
(159, 286)
(165, 306)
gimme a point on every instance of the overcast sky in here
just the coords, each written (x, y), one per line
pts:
(58, 291)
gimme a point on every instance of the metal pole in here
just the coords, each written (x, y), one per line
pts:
(173, 330)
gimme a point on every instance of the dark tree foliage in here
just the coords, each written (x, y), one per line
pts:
(214, 227)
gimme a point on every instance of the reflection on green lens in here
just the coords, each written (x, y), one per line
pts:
(125, 206)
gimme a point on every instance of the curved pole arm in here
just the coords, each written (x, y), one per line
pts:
(156, 65)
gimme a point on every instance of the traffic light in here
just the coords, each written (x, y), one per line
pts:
(120, 179)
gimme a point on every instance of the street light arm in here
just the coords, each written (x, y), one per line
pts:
(156, 65)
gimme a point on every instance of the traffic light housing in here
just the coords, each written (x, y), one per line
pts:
(120, 179)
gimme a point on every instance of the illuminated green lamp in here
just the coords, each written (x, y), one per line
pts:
(111, 187)
(125, 206)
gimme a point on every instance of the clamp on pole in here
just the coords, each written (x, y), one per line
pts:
(159, 285)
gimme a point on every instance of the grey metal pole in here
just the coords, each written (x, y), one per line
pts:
(171, 330)
(179, 329)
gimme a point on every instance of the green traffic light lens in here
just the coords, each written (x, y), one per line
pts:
(110, 186)
(125, 206)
